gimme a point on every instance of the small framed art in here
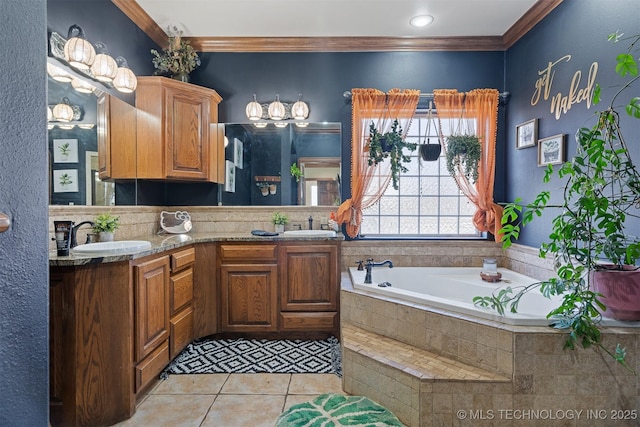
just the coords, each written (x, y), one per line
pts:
(527, 134)
(551, 150)
(237, 153)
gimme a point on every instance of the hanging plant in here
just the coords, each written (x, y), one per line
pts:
(463, 153)
(389, 145)
(429, 152)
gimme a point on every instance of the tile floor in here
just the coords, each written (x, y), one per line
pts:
(228, 400)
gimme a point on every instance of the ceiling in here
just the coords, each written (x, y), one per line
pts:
(213, 24)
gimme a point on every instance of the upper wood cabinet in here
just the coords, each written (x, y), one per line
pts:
(116, 128)
(177, 132)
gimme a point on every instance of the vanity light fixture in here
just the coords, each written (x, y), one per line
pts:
(104, 67)
(254, 109)
(66, 127)
(420, 21)
(276, 109)
(226, 141)
(49, 114)
(86, 125)
(78, 52)
(124, 81)
(302, 124)
(63, 112)
(281, 124)
(81, 86)
(58, 74)
(260, 125)
(300, 110)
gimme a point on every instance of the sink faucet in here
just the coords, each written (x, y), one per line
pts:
(310, 222)
(74, 230)
(370, 264)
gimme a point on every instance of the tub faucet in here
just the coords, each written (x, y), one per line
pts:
(74, 230)
(370, 264)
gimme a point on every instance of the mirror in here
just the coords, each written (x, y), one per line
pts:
(73, 148)
(258, 164)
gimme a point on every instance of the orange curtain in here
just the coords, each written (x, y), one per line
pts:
(479, 106)
(372, 105)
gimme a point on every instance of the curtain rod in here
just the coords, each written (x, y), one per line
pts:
(502, 95)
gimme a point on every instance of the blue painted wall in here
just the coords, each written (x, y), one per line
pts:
(24, 195)
(578, 28)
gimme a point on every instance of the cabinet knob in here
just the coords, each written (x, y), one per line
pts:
(5, 222)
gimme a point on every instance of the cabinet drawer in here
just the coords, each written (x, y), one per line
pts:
(181, 259)
(181, 290)
(181, 331)
(150, 367)
(325, 321)
(248, 252)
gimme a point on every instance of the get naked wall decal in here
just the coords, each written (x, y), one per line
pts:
(562, 102)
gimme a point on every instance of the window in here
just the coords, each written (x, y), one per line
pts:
(427, 203)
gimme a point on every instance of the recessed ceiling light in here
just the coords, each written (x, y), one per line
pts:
(421, 21)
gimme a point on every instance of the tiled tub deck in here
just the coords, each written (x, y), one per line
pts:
(434, 368)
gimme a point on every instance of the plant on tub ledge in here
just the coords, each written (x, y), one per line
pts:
(594, 253)
(389, 145)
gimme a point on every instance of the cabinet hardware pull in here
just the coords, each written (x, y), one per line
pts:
(5, 222)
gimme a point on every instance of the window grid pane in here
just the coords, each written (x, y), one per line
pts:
(428, 203)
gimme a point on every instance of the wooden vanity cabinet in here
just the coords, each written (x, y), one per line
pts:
(309, 286)
(181, 300)
(248, 287)
(116, 134)
(177, 132)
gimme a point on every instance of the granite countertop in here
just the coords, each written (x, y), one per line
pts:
(164, 242)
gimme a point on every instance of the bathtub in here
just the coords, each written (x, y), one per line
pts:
(453, 288)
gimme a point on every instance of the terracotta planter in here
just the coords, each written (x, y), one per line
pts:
(621, 292)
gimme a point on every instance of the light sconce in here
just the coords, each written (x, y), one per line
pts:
(281, 124)
(82, 86)
(260, 125)
(63, 112)
(302, 124)
(58, 74)
(277, 110)
(78, 52)
(67, 127)
(124, 81)
(226, 141)
(104, 67)
(300, 110)
(254, 109)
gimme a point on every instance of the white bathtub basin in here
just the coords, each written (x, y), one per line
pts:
(116, 247)
(310, 233)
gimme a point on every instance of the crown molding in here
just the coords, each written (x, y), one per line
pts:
(344, 44)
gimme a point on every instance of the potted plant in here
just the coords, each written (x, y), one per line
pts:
(105, 225)
(296, 172)
(279, 220)
(390, 145)
(463, 153)
(588, 239)
(178, 59)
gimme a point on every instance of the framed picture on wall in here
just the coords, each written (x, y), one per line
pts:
(230, 177)
(527, 134)
(65, 151)
(551, 150)
(65, 181)
(237, 153)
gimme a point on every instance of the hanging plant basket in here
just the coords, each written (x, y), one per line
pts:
(430, 152)
(390, 145)
(463, 153)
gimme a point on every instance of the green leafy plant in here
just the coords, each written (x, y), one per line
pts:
(279, 218)
(602, 191)
(65, 179)
(106, 223)
(390, 145)
(295, 172)
(463, 153)
(65, 149)
(179, 57)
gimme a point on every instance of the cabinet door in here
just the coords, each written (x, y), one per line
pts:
(187, 141)
(116, 134)
(249, 299)
(309, 278)
(151, 305)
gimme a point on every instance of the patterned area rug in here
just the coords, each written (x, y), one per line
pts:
(338, 410)
(252, 356)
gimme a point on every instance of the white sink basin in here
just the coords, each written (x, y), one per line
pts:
(310, 233)
(116, 247)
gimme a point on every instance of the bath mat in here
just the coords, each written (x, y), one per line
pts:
(241, 355)
(337, 410)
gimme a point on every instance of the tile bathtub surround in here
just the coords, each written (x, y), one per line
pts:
(239, 400)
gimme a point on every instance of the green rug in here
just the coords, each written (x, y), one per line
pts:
(334, 410)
